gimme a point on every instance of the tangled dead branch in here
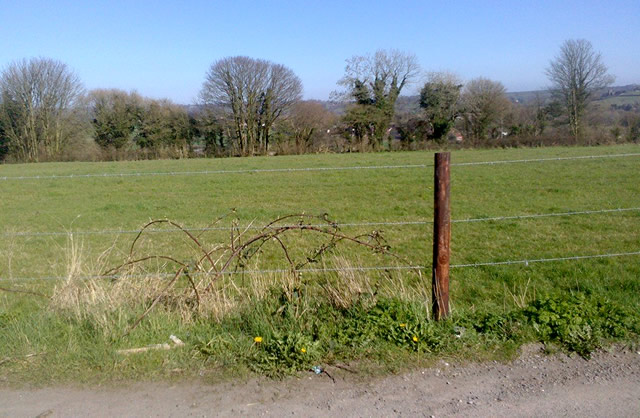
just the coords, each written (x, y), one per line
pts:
(209, 264)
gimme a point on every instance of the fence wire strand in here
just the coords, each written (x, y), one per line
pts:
(539, 160)
(545, 215)
(543, 260)
(525, 262)
(346, 224)
(206, 172)
(221, 228)
(303, 169)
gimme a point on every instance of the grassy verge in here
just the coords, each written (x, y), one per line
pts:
(278, 329)
(378, 321)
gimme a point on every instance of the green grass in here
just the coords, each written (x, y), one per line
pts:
(63, 344)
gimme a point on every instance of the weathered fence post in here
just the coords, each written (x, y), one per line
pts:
(441, 236)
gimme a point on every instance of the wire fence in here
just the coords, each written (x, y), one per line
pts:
(525, 262)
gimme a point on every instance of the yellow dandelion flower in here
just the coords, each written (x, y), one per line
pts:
(304, 350)
(415, 339)
(257, 339)
(403, 325)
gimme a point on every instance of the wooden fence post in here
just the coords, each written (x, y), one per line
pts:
(441, 236)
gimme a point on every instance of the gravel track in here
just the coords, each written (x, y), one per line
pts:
(533, 385)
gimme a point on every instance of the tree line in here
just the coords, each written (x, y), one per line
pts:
(252, 106)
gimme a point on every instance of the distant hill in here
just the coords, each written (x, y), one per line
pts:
(618, 95)
(625, 98)
(607, 94)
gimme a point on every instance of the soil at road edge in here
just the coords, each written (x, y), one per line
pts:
(533, 385)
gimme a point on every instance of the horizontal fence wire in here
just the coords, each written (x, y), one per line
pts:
(544, 260)
(205, 172)
(303, 169)
(346, 224)
(545, 215)
(538, 160)
(525, 262)
(220, 228)
(228, 273)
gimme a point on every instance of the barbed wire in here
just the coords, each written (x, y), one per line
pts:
(537, 160)
(302, 169)
(221, 228)
(526, 262)
(545, 215)
(205, 172)
(543, 260)
(226, 273)
(346, 224)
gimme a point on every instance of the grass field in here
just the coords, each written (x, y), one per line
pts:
(62, 341)
(630, 97)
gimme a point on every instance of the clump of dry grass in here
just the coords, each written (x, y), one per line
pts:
(85, 294)
(351, 286)
(8, 252)
(229, 296)
(521, 294)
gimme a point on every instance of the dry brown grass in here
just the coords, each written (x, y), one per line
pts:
(348, 287)
(85, 294)
(8, 253)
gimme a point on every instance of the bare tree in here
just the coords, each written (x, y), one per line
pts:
(308, 120)
(373, 83)
(255, 93)
(37, 111)
(484, 104)
(575, 73)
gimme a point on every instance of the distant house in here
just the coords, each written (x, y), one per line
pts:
(455, 136)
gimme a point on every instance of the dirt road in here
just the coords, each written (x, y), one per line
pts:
(534, 385)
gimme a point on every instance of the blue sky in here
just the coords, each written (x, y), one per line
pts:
(163, 48)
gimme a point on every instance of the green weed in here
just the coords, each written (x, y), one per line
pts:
(580, 323)
(284, 354)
